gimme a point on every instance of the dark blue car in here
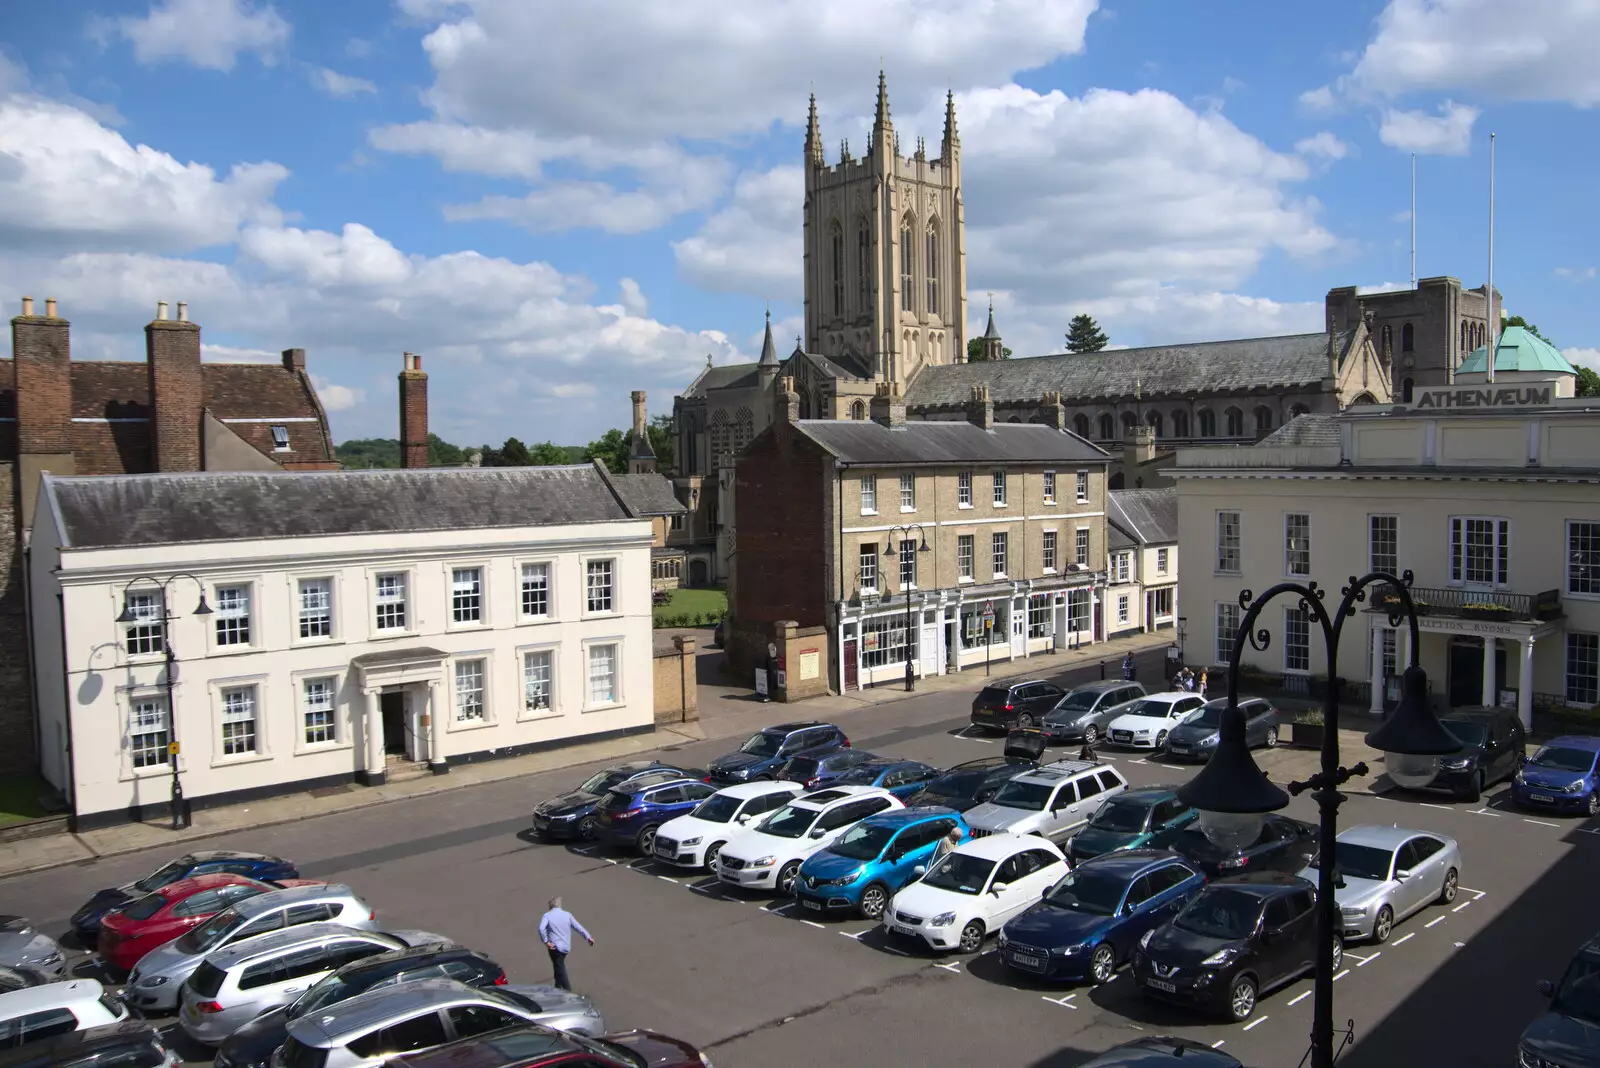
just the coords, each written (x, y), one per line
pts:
(629, 816)
(1561, 777)
(1091, 920)
(1569, 1031)
(900, 777)
(823, 769)
(86, 921)
(768, 750)
(572, 815)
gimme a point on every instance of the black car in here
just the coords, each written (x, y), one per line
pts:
(251, 1046)
(1284, 845)
(970, 784)
(1163, 1051)
(1239, 938)
(1568, 1034)
(814, 771)
(1195, 739)
(129, 1044)
(86, 921)
(572, 816)
(766, 751)
(1019, 704)
(1494, 747)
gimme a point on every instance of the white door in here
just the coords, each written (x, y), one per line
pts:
(930, 652)
(1019, 628)
(1060, 628)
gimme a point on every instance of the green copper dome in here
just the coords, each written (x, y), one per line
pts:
(1519, 350)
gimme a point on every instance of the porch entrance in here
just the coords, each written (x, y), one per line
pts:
(392, 704)
(1466, 672)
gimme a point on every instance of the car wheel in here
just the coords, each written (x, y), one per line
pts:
(1242, 998)
(1383, 925)
(1593, 807)
(1452, 883)
(711, 855)
(971, 937)
(588, 828)
(874, 899)
(1161, 740)
(786, 877)
(1338, 953)
(646, 841)
(1025, 722)
(1272, 738)
(1091, 734)
(1102, 964)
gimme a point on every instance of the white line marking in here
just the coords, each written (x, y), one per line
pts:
(1336, 978)
(1461, 906)
(1354, 956)
(702, 889)
(1430, 923)
(1215, 1045)
(1141, 760)
(1403, 941)
(1460, 944)
(950, 967)
(668, 878)
(1484, 812)
(1477, 895)
(1257, 1022)
(1445, 808)
(814, 923)
(586, 852)
(1541, 823)
(1298, 998)
(608, 860)
(853, 934)
(896, 952)
(1065, 1002)
(1369, 960)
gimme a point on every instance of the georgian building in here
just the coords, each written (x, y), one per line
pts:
(1142, 565)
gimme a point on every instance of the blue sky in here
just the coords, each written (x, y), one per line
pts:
(556, 203)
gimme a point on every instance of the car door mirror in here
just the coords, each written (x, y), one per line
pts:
(998, 888)
(920, 869)
(818, 833)
(1546, 988)
(1272, 934)
(1403, 874)
(742, 818)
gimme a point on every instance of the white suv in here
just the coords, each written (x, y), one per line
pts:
(768, 856)
(1052, 801)
(693, 841)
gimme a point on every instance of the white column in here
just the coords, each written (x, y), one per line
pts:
(373, 735)
(1525, 685)
(435, 731)
(1490, 645)
(1402, 649)
(1377, 668)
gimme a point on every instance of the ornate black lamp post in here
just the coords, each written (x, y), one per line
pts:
(896, 535)
(1232, 794)
(180, 813)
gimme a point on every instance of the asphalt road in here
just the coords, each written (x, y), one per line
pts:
(754, 985)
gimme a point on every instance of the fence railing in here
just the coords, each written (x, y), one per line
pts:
(1457, 603)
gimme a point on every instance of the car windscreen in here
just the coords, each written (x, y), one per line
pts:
(863, 842)
(762, 745)
(144, 908)
(600, 782)
(801, 767)
(207, 979)
(960, 873)
(718, 808)
(1121, 817)
(1095, 892)
(789, 821)
(994, 695)
(1078, 701)
(1210, 715)
(296, 1054)
(1579, 993)
(1563, 758)
(865, 775)
(1359, 861)
(165, 875)
(208, 934)
(1029, 795)
(1467, 732)
(958, 784)
(1220, 912)
(614, 801)
(333, 989)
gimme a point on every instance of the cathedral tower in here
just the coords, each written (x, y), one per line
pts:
(885, 251)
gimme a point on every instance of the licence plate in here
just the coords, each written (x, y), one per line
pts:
(664, 850)
(1121, 736)
(1540, 797)
(808, 903)
(1026, 961)
(1162, 984)
(1178, 748)
(899, 928)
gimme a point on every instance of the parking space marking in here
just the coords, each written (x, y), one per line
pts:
(854, 934)
(666, 878)
(1353, 956)
(1402, 941)
(1439, 919)
(1218, 1043)
(1336, 978)
(1443, 808)
(780, 909)
(814, 923)
(896, 952)
(1461, 906)
(1257, 1022)
(1369, 960)
(1298, 998)
(949, 966)
(1477, 895)
(1485, 812)
(1065, 1002)
(1541, 823)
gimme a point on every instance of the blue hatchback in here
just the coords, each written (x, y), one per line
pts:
(1093, 918)
(871, 861)
(900, 777)
(629, 817)
(1561, 777)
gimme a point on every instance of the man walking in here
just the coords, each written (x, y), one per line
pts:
(1128, 671)
(555, 929)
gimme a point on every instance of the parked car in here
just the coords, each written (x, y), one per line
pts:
(252, 1045)
(1493, 747)
(540, 1047)
(571, 816)
(154, 983)
(25, 948)
(1239, 938)
(764, 752)
(822, 769)
(1018, 704)
(971, 783)
(695, 839)
(864, 867)
(1089, 922)
(368, 1029)
(1195, 739)
(630, 815)
(1561, 776)
(242, 981)
(42, 1012)
(1083, 714)
(1568, 1034)
(19, 979)
(129, 932)
(974, 890)
(86, 921)
(1284, 844)
(1163, 1051)
(1149, 817)
(903, 778)
(1052, 801)
(129, 1044)
(1386, 873)
(1146, 723)
(768, 855)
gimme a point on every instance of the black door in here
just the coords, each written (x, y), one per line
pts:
(1466, 673)
(393, 707)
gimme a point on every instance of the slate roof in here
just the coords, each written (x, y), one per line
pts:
(1305, 430)
(1205, 367)
(860, 441)
(1517, 349)
(844, 367)
(1149, 516)
(727, 376)
(648, 494)
(173, 509)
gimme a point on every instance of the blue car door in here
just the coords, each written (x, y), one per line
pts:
(907, 780)
(1153, 899)
(913, 846)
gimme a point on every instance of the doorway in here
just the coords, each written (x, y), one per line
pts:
(852, 676)
(1466, 672)
(697, 573)
(392, 706)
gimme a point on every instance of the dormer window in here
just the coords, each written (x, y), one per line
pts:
(280, 439)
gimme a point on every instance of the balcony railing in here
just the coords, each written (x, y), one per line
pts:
(1493, 605)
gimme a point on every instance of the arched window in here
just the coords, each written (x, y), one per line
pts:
(836, 236)
(1388, 338)
(1015, 419)
(1364, 398)
(863, 266)
(1235, 423)
(1128, 423)
(1208, 423)
(1115, 481)
(930, 265)
(1263, 419)
(1155, 421)
(1298, 410)
(1405, 390)
(1080, 425)
(1180, 424)
(1462, 339)
(858, 410)
(1407, 338)
(1108, 427)
(906, 264)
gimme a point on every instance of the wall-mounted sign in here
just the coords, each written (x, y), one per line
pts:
(1484, 397)
(810, 664)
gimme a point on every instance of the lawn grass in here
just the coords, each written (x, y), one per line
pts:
(697, 603)
(19, 797)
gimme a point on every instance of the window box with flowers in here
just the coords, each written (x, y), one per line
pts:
(1496, 613)
(1391, 602)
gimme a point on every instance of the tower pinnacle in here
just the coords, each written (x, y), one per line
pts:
(881, 124)
(952, 140)
(813, 134)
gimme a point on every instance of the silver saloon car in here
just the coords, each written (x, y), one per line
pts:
(1385, 874)
(25, 948)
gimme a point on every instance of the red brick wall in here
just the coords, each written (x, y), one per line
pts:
(413, 413)
(178, 392)
(42, 351)
(780, 518)
(16, 689)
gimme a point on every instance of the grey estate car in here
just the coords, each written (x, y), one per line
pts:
(1082, 715)
(366, 1030)
(154, 983)
(1387, 873)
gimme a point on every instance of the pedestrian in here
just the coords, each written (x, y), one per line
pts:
(555, 929)
(1202, 687)
(946, 844)
(1127, 667)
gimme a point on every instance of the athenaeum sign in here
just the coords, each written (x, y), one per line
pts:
(1485, 397)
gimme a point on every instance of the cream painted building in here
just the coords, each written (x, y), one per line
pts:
(1488, 493)
(1142, 561)
(361, 624)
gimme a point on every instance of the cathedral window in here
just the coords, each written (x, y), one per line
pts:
(1208, 423)
(1263, 419)
(1180, 424)
(930, 266)
(1154, 419)
(1407, 338)
(1108, 427)
(864, 265)
(1129, 420)
(1235, 423)
(907, 297)
(1080, 425)
(838, 270)
(858, 410)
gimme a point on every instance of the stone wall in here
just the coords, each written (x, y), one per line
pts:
(677, 692)
(17, 747)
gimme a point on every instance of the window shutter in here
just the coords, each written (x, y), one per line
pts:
(1455, 550)
(1502, 556)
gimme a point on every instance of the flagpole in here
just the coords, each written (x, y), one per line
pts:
(1494, 320)
(1413, 220)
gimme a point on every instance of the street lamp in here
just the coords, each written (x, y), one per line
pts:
(180, 814)
(895, 537)
(1233, 795)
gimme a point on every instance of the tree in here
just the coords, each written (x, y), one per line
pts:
(661, 441)
(1588, 383)
(977, 353)
(549, 454)
(1085, 335)
(443, 454)
(1517, 320)
(611, 449)
(361, 453)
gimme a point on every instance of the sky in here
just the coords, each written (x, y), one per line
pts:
(556, 203)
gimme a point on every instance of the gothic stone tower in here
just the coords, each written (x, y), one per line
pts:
(885, 251)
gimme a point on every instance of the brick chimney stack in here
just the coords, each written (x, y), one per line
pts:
(642, 457)
(172, 347)
(980, 409)
(42, 350)
(413, 413)
(1052, 412)
(888, 406)
(294, 359)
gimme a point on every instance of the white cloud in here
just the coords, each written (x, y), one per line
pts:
(633, 298)
(13, 74)
(1319, 99)
(752, 245)
(358, 48)
(1383, 287)
(357, 257)
(1583, 357)
(1449, 133)
(207, 33)
(1576, 274)
(338, 85)
(337, 398)
(234, 354)
(1323, 145)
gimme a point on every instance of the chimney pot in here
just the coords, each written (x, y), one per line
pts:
(161, 310)
(50, 306)
(294, 359)
(183, 311)
(27, 305)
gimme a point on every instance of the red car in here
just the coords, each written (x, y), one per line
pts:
(128, 933)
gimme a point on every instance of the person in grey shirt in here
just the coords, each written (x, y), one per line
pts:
(555, 929)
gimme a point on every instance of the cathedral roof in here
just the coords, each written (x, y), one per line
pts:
(728, 376)
(1203, 368)
(861, 441)
(991, 334)
(846, 366)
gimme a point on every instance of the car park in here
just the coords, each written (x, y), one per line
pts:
(630, 816)
(970, 783)
(1493, 748)
(541, 1047)
(1238, 939)
(903, 778)
(1083, 714)
(974, 889)
(128, 1044)
(1052, 801)
(1019, 704)
(1195, 739)
(1089, 923)
(768, 855)
(1568, 1032)
(1146, 723)
(25, 948)
(42, 1012)
(154, 984)
(571, 816)
(1163, 1051)
(1149, 817)
(86, 920)
(1387, 873)
(1284, 844)
(1561, 777)
(695, 839)
(814, 772)
(765, 752)
(864, 867)
(129, 932)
